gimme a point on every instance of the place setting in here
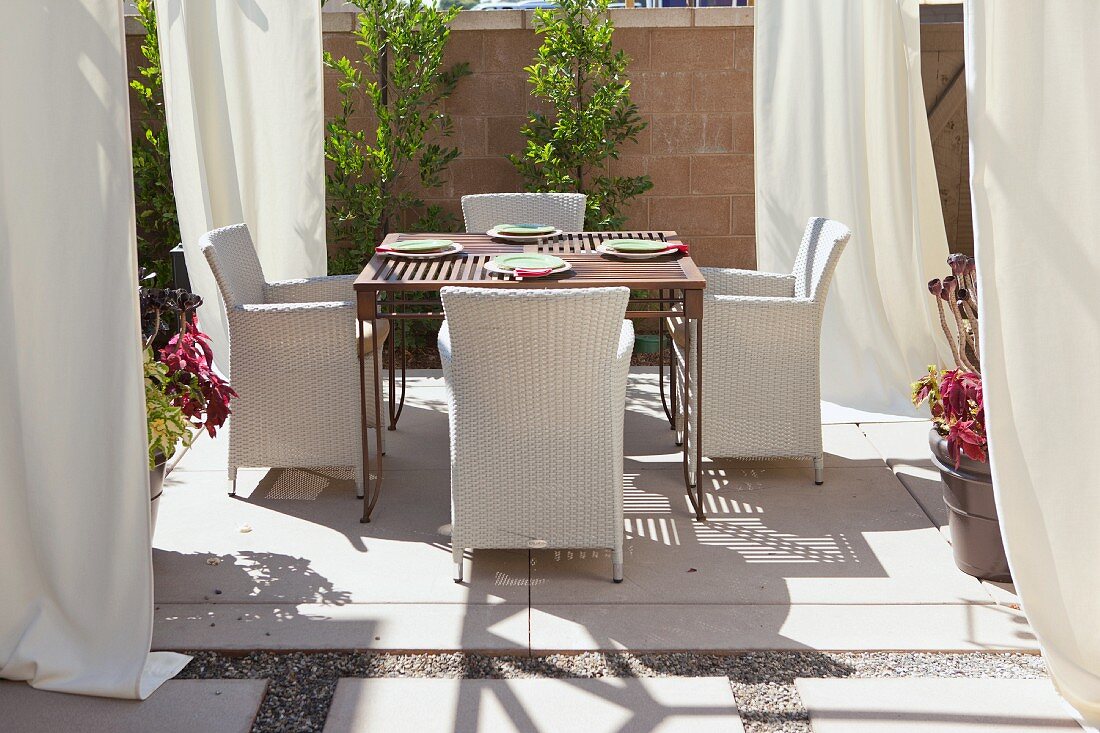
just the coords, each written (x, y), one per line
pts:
(523, 233)
(528, 265)
(420, 249)
(640, 249)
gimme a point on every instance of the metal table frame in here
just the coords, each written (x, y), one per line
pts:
(381, 294)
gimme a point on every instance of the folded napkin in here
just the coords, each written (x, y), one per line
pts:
(522, 272)
(679, 247)
(383, 249)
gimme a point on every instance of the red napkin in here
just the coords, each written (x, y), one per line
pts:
(521, 272)
(678, 246)
(383, 249)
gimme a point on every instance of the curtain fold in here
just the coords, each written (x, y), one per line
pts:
(76, 579)
(842, 132)
(245, 108)
(1034, 112)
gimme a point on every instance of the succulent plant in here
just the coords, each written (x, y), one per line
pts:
(955, 395)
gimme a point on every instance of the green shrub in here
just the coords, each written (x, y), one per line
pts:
(372, 179)
(158, 229)
(584, 81)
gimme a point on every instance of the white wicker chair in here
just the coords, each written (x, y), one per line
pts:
(761, 357)
(294, 360)
(536, 416)
(484, 211)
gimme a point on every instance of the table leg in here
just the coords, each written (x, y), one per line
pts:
(392, 372)
(661, 362)
(699, 419)
(372, 496)
(364, 434)
(693, 421)
(397, 403)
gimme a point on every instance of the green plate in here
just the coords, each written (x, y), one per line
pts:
(511, 262)
(523, 230)
(639, 246)
(422, 245)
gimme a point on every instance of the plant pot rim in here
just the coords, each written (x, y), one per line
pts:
(968, 468)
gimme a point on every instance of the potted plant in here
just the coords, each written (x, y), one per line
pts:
(183, 394)
(958, 438)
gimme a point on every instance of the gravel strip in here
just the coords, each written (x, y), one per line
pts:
(302, 684)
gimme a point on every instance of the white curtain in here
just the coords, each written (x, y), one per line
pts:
(245, 107)
(76, 578)
(1034, 109)
(841, 131)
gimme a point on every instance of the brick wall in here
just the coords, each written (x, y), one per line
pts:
(692, 80)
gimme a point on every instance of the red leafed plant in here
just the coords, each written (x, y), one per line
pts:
(183, 394)
(200, 393)
(954, 396)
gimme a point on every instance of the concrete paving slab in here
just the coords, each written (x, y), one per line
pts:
(901, 443)
(501, 628)
(923, 484)
(619, 705)
(1003, 594)
(178, 706)
(770, 538)
(931, 705)
(904, 447)
(724, 628)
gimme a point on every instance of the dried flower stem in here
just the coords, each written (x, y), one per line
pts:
(971, 314)
(963, 338)
(947, 331)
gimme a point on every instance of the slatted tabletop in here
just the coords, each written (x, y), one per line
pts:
(590, 269)
(671, 285)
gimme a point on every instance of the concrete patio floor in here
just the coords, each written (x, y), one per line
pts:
(857, 564)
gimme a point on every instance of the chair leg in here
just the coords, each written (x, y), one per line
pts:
(456, 555)
(819, 470)
(617, 565)
(232, 480)
(360, 491)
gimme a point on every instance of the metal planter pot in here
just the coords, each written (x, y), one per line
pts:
(972, 514)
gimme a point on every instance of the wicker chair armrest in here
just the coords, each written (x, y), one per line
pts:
(626, 342)
(721, 281)
(755, 303)
(276, 320)
(443, 343)
(311, 290)
(292, 333)
(764, 320)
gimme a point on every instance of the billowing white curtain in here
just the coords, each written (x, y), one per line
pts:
(1034, 109)
(842, 132)
(245, 108)
(76, 577)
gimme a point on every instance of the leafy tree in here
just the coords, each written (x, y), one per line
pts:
(400, 75)
(158, 229)
(584, 82)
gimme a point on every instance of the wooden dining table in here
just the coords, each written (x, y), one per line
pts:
(400, 289)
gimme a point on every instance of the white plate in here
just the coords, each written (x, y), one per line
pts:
(522, 240)
(605, 250)
(425, 255)
(501, 271)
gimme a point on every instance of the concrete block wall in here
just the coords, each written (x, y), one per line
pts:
(691, 77)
